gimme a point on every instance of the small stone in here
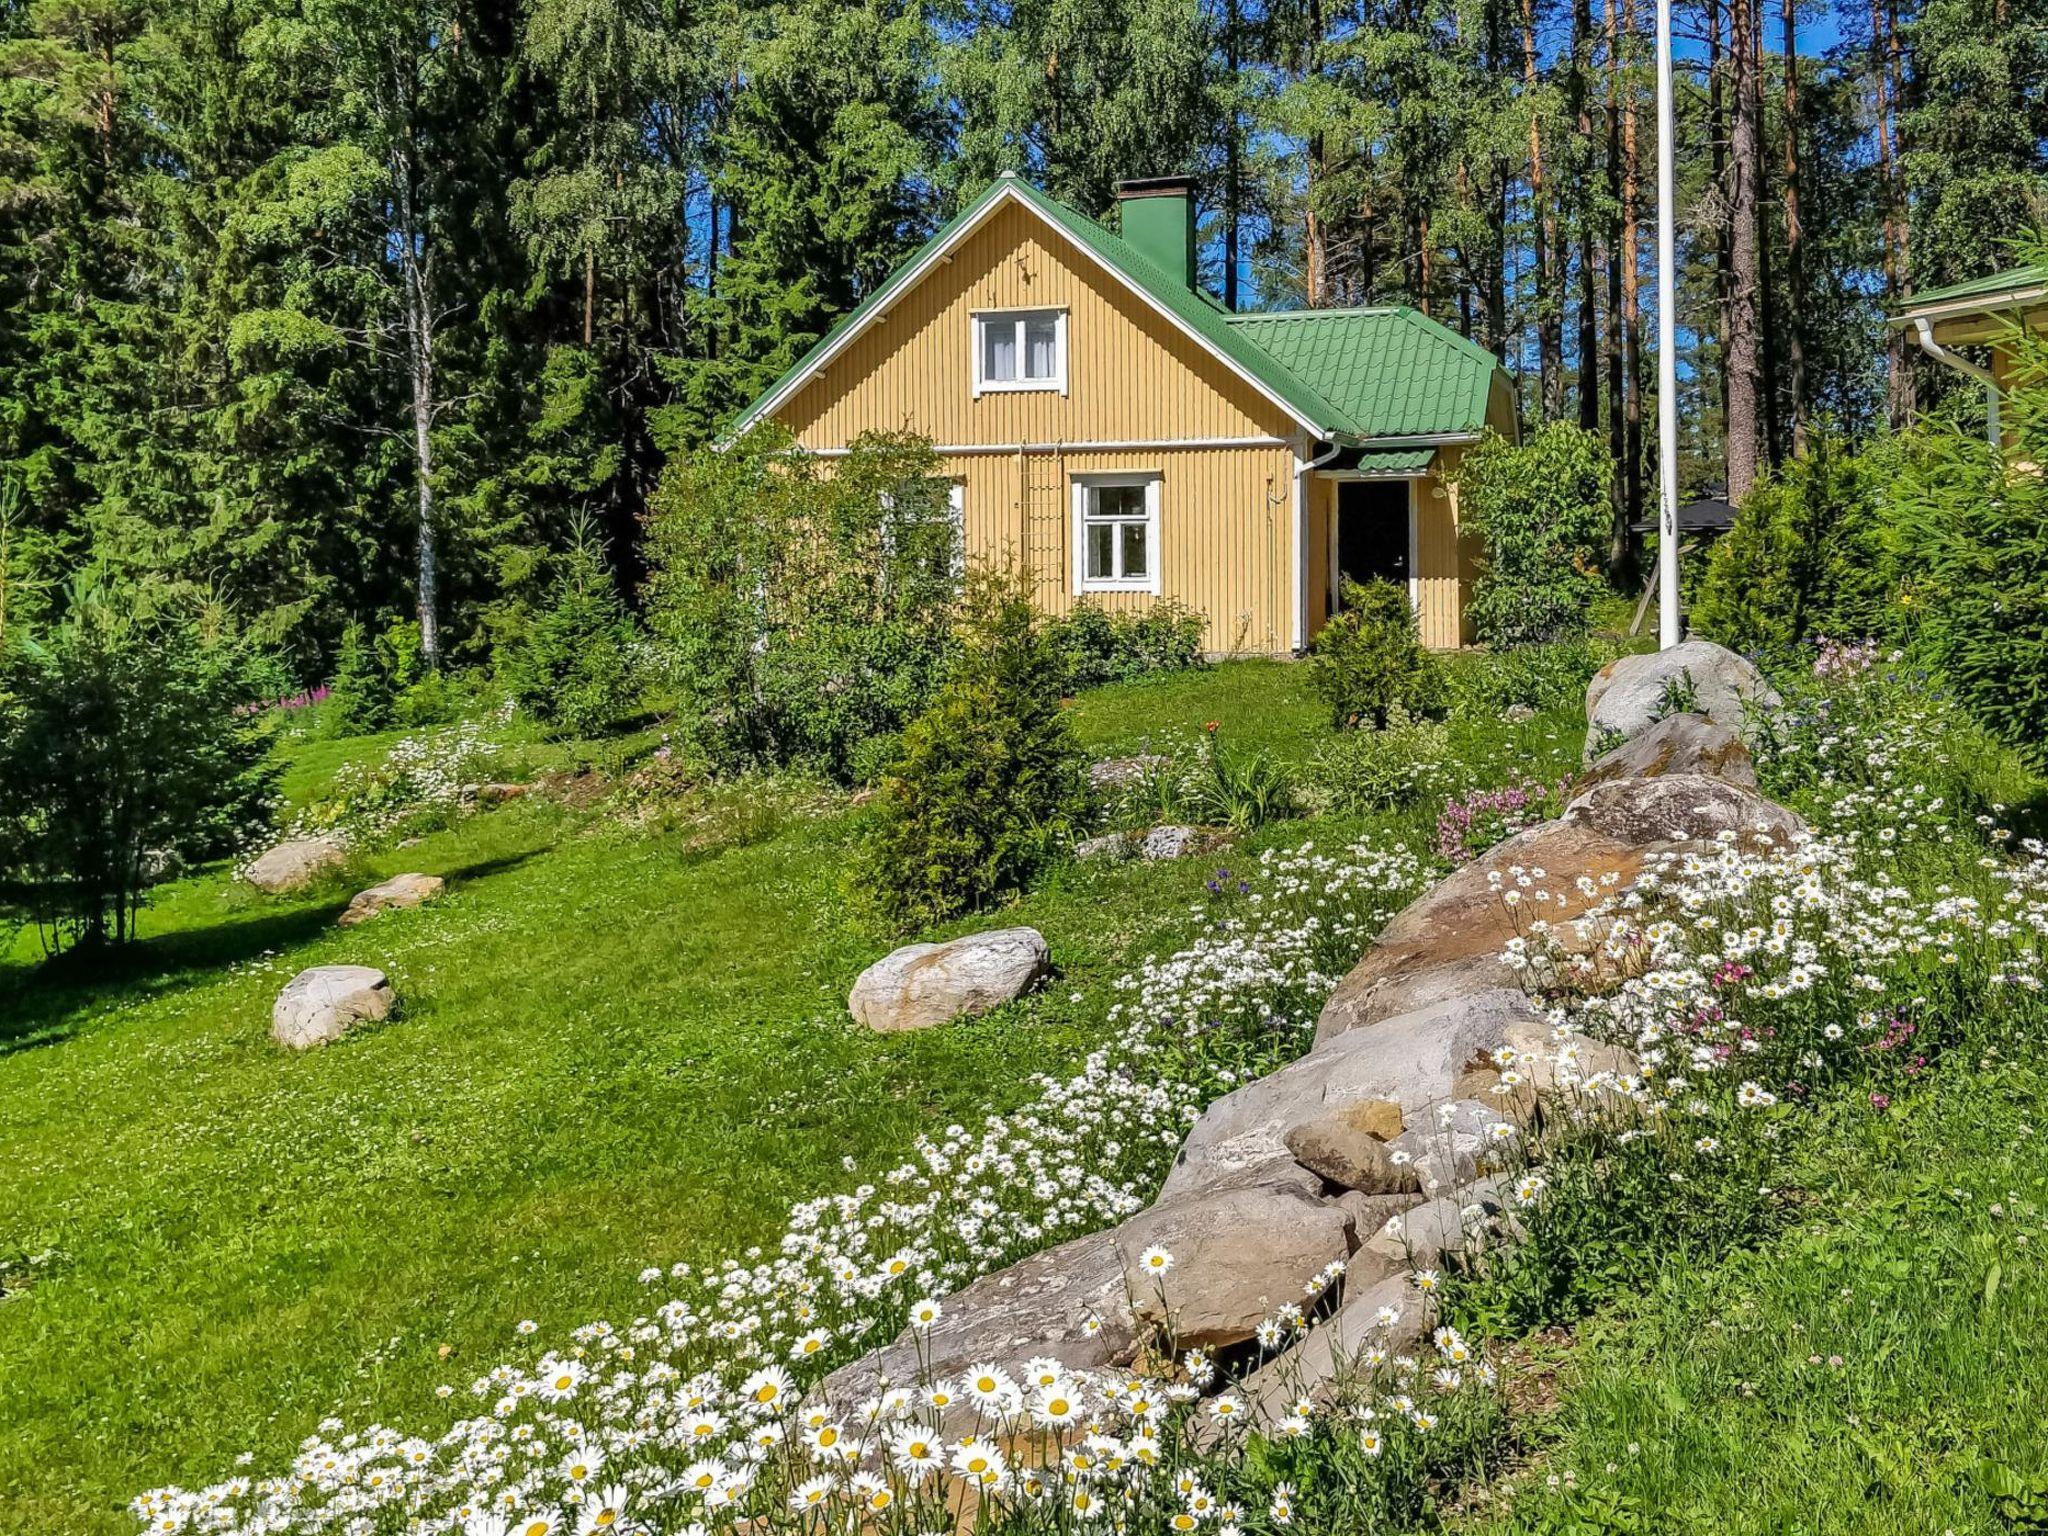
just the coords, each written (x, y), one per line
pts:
(322, 1004)
(1168, 842)
(1349, 1157)
(1369, 1213)
(499, 794)
(920, 985)
(399, 891)
(1109, 845)
(1114, 773)
(1424, 1235)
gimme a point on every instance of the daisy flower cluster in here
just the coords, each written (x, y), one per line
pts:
(703, 1411)
(431, 773)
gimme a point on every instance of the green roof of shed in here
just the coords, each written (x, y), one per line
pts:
(1353, 374)
(1990, 287)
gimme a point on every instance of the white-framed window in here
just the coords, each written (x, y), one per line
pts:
(1020, 349)
(1116, 533)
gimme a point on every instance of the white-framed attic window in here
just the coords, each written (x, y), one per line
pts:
(1116, 533)
(1020, 349)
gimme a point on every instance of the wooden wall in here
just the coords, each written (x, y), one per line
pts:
(1226, 514)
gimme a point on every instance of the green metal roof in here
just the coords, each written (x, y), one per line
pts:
(1393, 461)
(1351, 374)
(1393, 372)
(1989, 287)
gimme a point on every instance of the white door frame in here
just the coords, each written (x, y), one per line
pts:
(1414, 534)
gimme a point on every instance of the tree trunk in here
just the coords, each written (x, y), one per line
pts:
(1549, 322)
(1233, 161)
(1795, 256)
(1631, 281)
(1717, 140)
(1773, 429)
(1315, 234)
(417, 299)
(1884, 44)
(1589, 309)
(1744, 364)
(1619, 544)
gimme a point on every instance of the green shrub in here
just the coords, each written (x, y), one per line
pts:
(1362, 772)
(1541, 510)
(1971, 531)
(1537, 677)
(1369, 659)
(1097, 646)
(360, 693)
(124, 736)
(989, 784)
(804, 608)
(573, 668)
(1240, 788)
(1804, 558)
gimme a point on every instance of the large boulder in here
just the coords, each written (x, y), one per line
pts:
(1042, 1305)
(1238, 1255)
(295, 864)
(1632, 693)
(1346, 1154)
(325, 1002)
(399, 891)
(1410, 1061)
(1681, 743)
(921, 985)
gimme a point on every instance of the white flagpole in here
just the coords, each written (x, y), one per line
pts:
(1667, 343)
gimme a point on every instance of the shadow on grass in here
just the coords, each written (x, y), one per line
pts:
(41, 1004)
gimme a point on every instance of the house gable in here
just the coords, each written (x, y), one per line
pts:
(1132, 373)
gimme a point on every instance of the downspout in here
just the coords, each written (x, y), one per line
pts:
(1302, 468)
(1924, 329)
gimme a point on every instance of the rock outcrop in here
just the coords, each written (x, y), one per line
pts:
(322, 1004)
(1386, 1144)
(921, 985)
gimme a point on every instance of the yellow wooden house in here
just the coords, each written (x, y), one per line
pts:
(1124, 438)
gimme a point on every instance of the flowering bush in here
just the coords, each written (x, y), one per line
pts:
(1473, 822)
(1360, 772)
(423, 779)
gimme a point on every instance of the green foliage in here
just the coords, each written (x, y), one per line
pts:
(989, 783)
(1369, 659)
(1098, 646)
(804, 609)
(124, 737)
(574, 667)
(1971, 528)
(1805, 557)
(1362, 772)
(1537, 677)
(1241, 788)
(1541, 510)
(360, 692)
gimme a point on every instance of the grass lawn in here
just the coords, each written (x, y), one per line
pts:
(617, 1048)
(1849, 1376)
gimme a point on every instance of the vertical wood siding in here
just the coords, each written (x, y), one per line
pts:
(1443, 554)
(1226, 514)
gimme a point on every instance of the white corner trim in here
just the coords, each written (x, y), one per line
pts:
(1151, 480)
(1303, 467)
(1005, 194)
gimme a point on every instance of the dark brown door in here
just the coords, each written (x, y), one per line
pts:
(1372, 531)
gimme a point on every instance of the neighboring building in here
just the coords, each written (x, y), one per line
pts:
(1124, 437)
(1982, 312)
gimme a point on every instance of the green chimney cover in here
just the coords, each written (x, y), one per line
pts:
(1159, 223)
